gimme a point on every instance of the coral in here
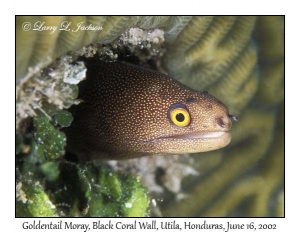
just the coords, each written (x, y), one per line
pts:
(238, 59)
(270, 33)
(248, 179)
(50, 90)
(215, 54)
(136, 36)
(35, 46)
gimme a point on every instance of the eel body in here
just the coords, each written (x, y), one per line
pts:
(128, 112)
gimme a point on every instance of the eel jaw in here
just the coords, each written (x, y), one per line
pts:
(189, 143)
(211, 135)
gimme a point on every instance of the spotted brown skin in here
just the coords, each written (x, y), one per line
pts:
(127, 113)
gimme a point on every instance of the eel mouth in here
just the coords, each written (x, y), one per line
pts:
(215, 138)
(201, 135)
(190, 143)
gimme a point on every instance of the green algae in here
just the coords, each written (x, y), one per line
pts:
(37, 204)
(102, 193)
(79, 190)
(51, 140)
(31, 197)
(50, 170)
(135, 198)
(63, 118)
(60, 188)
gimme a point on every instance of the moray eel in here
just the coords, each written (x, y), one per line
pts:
(129, 111)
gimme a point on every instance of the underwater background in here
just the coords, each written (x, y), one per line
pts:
(238, 59)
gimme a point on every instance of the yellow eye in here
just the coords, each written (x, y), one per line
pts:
(179, 115)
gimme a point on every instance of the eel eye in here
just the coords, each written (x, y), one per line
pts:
(179, 115)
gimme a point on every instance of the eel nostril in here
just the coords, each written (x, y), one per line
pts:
(224, 122)
(220, 122)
